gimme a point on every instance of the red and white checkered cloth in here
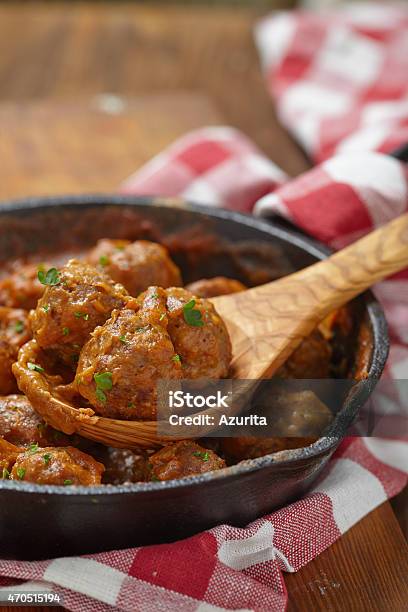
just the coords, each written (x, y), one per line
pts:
(228, 568)
(340, 78)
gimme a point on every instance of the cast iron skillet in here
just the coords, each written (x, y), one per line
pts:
(47, 521)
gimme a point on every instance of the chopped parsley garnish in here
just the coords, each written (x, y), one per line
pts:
(46, 307)
(103, 382)
(123, 339)
(19, 327)
(82, 315)
(155, 296)
(65, 331)
(154, 478)
(20, 473)
(191, 316)
(104, 260)
(202, 455)
(33, 448)
(100, 395)
(47, 458)
(142, 329)
(67, 482)
(162, 316)
(34, 367)
(176, 358)
(6, 474)
(51, 277)
(130, 405)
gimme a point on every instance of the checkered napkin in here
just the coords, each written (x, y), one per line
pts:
(228, 568)
(340, 77)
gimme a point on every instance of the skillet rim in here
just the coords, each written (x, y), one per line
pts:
(280, 459)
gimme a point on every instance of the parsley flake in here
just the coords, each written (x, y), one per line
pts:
(176, 358)
(19, 327)
(20, 473)
(123, 339)
(51, 277)
(34, 367)
(33, 448)
(204, 455)
(82, 315)
(192, 317)
(47, 458)
(46, 307)
(67, 482)
(6, 474)
(103, 382)
(104, 260)
(65, 331)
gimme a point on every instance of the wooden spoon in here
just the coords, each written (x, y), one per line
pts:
(268, 322)
(265, 323)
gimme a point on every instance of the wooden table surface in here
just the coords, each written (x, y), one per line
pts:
(58, 134)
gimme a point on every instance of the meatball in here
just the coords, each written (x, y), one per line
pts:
(22, 426)
(211, 287)
(184, 458)
(22, 289)
(14, 332)
(57, 466)
(136, 265)
(199, 335)
(310, 360)
(123, 466)
(76, 300)
(121, 363)
(296, 419)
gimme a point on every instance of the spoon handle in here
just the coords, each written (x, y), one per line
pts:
(352, 270)
(268, 322)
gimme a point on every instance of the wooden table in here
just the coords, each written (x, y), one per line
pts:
(62, 136)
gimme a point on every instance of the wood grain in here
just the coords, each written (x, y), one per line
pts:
(71, 147)
(70, 49)
(74, 51)
(366, 569)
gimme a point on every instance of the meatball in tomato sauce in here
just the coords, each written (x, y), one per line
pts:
(22, 426)
(136, 265)
(184, 458)
(77, 298)
(57, 466)
(120, 365)
(170, 335)
(199, 335)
